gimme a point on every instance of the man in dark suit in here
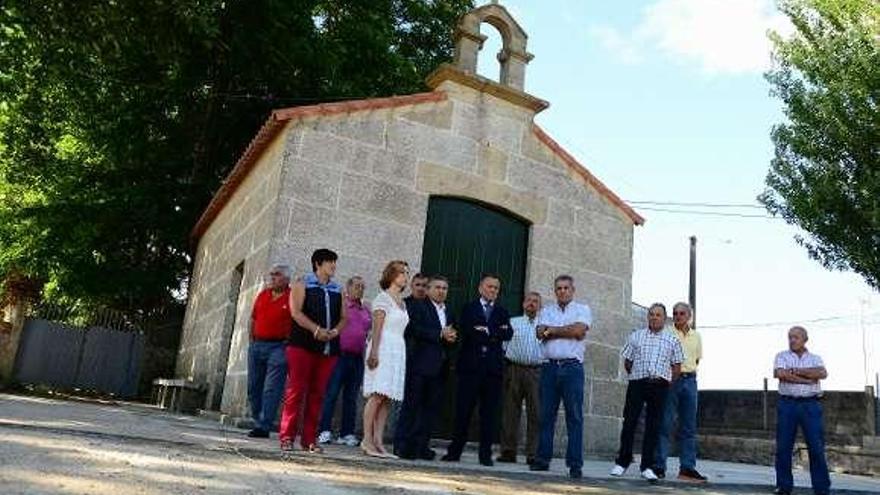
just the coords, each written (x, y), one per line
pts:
(431, 333)
(483, 325)
(418, 294)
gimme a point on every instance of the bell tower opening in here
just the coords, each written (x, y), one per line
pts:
(513, 56)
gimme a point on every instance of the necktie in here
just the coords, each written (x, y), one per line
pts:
(487, 311)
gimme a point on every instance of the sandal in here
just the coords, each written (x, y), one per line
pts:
(387, 455)
(371, 453)
(315, 449)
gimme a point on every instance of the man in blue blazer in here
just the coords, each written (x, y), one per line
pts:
(431, 334)
(483, 325)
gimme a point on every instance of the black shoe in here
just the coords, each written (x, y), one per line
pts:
(409, 456)
(506, 458)
(450, 458)
(487, 462)
(661, 473)
(428, 455)
(691, 475)
(780, 491)
(539, 466)
(575, 473)
(530, 460)
(258, 433)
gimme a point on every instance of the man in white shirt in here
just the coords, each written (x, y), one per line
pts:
(562, 327)
(799, 372)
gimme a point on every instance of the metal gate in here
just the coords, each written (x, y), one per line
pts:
(98, 352)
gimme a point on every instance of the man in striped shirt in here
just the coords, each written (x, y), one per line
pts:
(799, 372)
(522, 373)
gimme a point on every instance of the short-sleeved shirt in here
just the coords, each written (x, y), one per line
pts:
(554, 316)
(652, 354)
(789, 360)
(524, 348)
(353, 338)
(692, 344)
(272, 320)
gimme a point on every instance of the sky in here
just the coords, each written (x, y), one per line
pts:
(665, 101)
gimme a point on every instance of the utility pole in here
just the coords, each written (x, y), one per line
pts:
(692, 285)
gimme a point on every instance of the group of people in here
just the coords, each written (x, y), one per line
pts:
(316, 337)
(322, 340)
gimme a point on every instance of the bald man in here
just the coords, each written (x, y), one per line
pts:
(799, 372)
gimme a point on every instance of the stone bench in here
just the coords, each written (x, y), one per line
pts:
(178, 395)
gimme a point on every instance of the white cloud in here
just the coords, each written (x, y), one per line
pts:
(624, 47)
(719, 36)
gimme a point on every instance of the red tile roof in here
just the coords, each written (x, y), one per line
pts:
(279, 118)
(276, 122)
(583, 172)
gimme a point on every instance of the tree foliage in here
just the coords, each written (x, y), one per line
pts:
(119, 118)
(825, 176)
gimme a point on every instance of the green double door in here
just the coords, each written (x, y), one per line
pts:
(464, 239)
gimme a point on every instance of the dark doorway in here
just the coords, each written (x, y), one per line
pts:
(215, 388)
(464, 239)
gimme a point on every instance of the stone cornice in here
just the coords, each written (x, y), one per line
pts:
(448, 72)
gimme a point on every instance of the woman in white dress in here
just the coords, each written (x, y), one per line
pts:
(386, 357)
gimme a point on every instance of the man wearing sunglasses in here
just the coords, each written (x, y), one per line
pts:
(681, 402)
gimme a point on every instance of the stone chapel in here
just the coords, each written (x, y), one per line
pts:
(458, 180)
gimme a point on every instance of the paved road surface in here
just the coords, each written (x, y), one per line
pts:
(64, 447)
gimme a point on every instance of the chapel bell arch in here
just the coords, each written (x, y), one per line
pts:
(513, 56)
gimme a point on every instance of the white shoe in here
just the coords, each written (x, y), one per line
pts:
(347, 440)
(617, 470)
(325, 437)
(649, 475)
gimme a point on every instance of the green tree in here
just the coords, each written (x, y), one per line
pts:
(825, 176)
(120, 118)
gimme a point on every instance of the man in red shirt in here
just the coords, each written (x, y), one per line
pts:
(267, 362)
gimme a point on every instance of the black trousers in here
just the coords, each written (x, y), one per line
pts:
(652, 394)
(474, 388)
(421, 402)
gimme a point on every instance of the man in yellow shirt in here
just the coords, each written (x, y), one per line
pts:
(681, 402)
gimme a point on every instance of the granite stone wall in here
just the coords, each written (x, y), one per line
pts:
(213, 344)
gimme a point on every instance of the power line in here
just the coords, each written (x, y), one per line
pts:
(709, 213)
(705, 205)
(777, 323)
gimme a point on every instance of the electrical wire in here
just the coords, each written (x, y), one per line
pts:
(778, 323)
(704, 205)
(709, 213)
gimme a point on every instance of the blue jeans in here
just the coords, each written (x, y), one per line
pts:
(347, 377)
(807, 414)
(562, 381)
(681, 404)
(267, 372)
